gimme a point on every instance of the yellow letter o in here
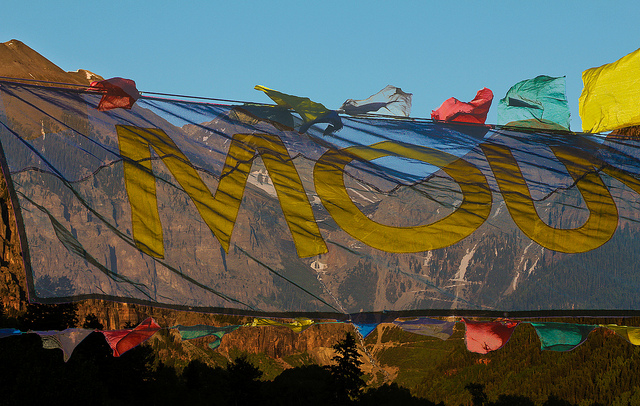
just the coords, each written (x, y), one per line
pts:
(472, 212)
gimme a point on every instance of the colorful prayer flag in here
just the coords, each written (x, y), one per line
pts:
(365, 328)
(310, 111)
(536, 103)
(428, 327)
(118, 93)
(365, 323)
(562, 336)
(486, 336)
(474, 111)
(8, 332)
(390, 100)
(611, 95)
(631, 334)
(122, 341)
(66, 340)
(298, 325)
(201, 330)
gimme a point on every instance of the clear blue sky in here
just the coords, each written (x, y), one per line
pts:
(330, 50)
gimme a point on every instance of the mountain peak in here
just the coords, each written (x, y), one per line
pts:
(17, 60)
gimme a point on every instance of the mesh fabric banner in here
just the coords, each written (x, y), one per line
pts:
(230, 209)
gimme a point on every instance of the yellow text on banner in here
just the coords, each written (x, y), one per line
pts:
(603, 214)
(220, 211)
(473, 211)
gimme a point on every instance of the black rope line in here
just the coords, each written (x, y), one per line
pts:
(204, 98)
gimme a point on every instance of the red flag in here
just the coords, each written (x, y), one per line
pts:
(485, 336)
(119, 93)
(473, 112)
(122, 341)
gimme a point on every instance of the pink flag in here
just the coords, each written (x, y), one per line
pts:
(122, 341)
(485, 336)
(473, 112)
(118, 93)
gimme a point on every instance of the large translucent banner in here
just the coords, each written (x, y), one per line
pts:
(231, 209)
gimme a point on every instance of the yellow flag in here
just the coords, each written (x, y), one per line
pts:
(308, 110)
(610, 98)
(631, 334)
(298, 325)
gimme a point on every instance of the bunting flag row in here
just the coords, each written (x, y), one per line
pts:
(607, 102)
(480, 337)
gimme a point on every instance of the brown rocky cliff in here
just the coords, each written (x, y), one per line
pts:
(17, 60)
(278, 342)
(12, 274)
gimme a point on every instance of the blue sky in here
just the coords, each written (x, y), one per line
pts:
(331, 50)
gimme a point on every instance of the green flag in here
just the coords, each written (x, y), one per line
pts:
(201, 330)
(536, 103)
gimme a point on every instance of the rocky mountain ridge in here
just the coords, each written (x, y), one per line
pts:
(21, 62)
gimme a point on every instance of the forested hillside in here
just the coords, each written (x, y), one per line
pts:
(603, 370)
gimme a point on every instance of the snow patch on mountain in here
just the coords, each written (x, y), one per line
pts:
(464, 264)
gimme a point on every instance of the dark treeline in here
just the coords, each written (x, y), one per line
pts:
(30, 374)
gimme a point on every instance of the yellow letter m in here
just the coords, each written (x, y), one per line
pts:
(219, 211)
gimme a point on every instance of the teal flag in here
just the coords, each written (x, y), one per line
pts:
(201, 330)
(537, 103)
(562, 336)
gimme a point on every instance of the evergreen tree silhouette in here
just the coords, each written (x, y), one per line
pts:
(346, 372)
(49, 316)
(92, 321)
